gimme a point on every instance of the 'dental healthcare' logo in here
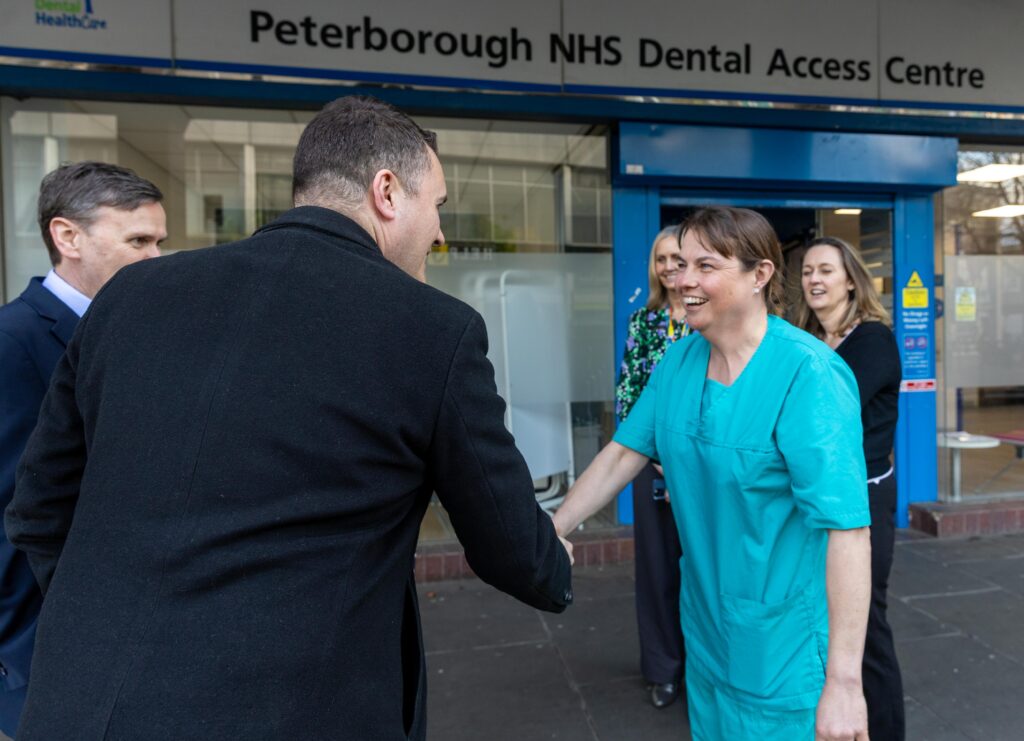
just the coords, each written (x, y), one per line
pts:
(68, 14)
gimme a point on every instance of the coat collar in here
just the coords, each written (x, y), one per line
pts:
(323, 220)
(48, 306)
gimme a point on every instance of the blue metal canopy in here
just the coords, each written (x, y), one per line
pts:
(663, 154)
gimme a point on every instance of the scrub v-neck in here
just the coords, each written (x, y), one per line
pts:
(712, 390)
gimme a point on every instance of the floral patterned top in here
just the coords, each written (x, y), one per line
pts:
(650, 334)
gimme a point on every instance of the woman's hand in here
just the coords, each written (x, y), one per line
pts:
(842, 713)
(568, 549)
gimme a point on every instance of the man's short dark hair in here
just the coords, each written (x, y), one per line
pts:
(76, 191)
(350, 141)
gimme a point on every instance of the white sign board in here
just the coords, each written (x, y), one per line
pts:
(127, 31)
(447, 39)
(938, 52)
(949, 50)
(732, 46)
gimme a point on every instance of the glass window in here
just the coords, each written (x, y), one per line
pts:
(518, 195)
(527, 224)
(980, 316)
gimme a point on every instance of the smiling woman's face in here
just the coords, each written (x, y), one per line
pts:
(825, 284)
(666, 261)
(716, 289)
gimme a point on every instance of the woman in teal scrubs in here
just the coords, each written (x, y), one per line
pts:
(757, 425)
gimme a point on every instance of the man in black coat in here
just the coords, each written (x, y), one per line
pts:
(94, 218)
(223, 496)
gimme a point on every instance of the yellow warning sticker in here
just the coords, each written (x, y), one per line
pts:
(915, 281)
(966, 304)
(915, 298)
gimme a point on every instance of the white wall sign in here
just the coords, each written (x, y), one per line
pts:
(942, 52)
(454, 39)
(68, 29)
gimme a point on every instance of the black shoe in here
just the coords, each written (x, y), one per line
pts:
(663, 695)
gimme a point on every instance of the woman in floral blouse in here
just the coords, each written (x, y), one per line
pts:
(651, 330)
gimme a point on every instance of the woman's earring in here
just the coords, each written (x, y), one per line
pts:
(757, 289)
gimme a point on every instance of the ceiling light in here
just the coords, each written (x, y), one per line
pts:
(991, 174)
(1013, 209)
(847, 211)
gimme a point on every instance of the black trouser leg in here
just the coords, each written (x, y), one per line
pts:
(883, 686)
(657, 583)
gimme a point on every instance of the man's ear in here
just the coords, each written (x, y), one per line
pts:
(384, 191)
(66, 235)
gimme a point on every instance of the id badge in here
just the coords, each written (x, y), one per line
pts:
(658, 490)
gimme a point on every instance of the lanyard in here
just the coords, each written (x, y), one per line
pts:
(672, 327)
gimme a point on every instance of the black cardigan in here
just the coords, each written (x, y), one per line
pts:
(871, 352)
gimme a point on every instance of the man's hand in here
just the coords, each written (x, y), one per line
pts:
(842, 713)
(568, 549)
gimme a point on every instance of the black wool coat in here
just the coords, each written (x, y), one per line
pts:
(222, 499)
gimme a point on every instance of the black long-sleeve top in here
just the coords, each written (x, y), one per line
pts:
(872, 354)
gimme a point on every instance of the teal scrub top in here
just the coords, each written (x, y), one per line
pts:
(759, 471)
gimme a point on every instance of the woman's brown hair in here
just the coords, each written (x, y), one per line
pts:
(865, 304)
(745, 235)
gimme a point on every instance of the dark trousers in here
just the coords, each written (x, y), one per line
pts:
(657, 582)
(883, 686)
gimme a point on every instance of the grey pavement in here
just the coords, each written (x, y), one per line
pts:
(499, 670)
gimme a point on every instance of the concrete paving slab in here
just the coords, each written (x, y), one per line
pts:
(914, 574)
(993, 619)
(965, 685)
(924, 725)
(621, 709)
(598, 582)
(469, 614)
(507, 694)
(598, 639)
(968, 549)
(912, 624)
(1007, 572)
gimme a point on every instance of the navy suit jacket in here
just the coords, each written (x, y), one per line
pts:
(34, 330)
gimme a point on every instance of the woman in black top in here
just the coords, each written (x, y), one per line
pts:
(839, 305)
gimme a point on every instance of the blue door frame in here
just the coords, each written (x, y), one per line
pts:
(656, 164)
